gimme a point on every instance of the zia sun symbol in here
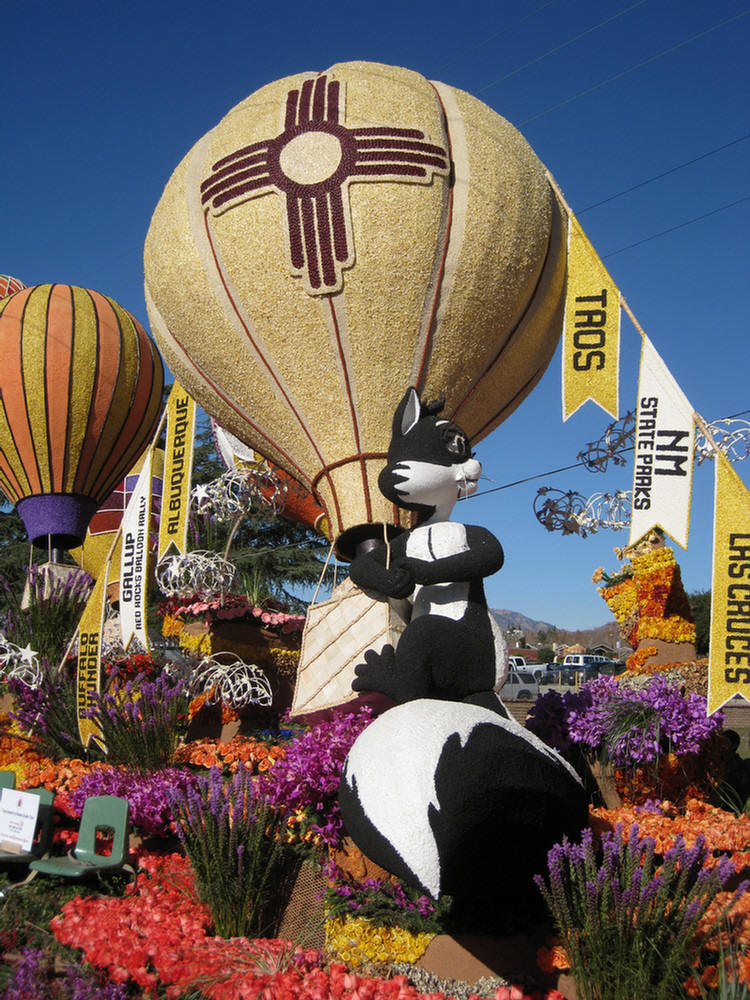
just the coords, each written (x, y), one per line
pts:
(310, 164)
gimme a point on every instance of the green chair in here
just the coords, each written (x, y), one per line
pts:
(100, 812)
(43, 834)
(7, 779)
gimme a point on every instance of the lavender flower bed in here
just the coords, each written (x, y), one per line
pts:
(307, 777)
(629, 727)
(148, 793)
(35, 975)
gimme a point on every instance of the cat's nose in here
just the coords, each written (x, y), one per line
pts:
(471, 470)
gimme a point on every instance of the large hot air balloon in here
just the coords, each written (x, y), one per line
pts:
(81, 385)
(338, 237)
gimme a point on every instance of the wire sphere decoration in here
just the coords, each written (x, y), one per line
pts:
(225, 677)
(560, 511)
(731, 436)
(197, 572)
(236, 491)
(19, 664)
(617, 438)
(607, 510)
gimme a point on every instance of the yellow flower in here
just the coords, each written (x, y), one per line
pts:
(357, 941)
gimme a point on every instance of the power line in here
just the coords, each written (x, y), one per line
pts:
(492, 38)
(672, 229)
(665, 173)
(568, 468)
(632, 69)
(559, 48)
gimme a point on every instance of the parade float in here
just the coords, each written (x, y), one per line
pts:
(359, 274)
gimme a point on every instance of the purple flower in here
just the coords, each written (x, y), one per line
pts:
(308, 775)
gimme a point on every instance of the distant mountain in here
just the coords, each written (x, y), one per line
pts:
(514, 619)
(607, 634)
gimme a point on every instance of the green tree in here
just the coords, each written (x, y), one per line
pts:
(14, 553)
(700, 605)
(275, 557)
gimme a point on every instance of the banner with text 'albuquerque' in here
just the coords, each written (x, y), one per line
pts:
(178, 471)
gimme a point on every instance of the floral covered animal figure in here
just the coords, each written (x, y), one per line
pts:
(438, 567)
(444, 789)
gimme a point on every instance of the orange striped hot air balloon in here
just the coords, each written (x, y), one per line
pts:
(338, 237)
(8, 285)
(80, 388)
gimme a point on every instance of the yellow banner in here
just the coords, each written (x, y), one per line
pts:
(591, 334)
(90, 655)
(729, 660)
(178, 471)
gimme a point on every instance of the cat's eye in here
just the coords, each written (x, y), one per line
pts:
(456, 442)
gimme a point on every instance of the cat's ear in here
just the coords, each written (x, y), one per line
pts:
(407, 413)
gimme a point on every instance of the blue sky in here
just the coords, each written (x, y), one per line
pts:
(102, 100)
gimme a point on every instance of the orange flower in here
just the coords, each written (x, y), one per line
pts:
(552, 959)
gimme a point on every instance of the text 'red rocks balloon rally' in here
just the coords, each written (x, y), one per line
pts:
(81, 385)
(337, 237)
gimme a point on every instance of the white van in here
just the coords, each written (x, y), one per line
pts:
(579, 661)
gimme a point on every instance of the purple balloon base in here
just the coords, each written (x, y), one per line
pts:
(57, 520)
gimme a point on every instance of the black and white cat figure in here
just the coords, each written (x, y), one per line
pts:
(439, 566)
(445, 790)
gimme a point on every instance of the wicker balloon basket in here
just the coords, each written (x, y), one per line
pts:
(337, 633)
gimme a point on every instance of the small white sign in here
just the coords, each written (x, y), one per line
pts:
(18, 815)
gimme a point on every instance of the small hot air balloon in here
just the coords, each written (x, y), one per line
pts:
(105, 523)
(81, 385)
(8, 285)
(342, 235)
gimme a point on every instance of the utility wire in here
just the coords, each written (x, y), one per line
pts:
(672, 229)
(559, 48)
(665, 173)
(568, 468)
(632, 69)
(492, 38)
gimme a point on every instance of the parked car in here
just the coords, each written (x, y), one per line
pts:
(611, 667)
(579, 660)
(521, 685)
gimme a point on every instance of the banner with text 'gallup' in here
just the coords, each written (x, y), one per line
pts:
(134, 547)
(178, 471)
(664, 445)
(729, 659)
(591, 334)
(90, 630)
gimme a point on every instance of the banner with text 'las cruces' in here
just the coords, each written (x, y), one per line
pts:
(729, 660)
(90, 630)
(134, 546)
(178, 471)
(591, 334)
(664, 444)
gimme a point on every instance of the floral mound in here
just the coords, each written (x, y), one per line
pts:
(157, 936)
(649, 603)
(659, 742)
